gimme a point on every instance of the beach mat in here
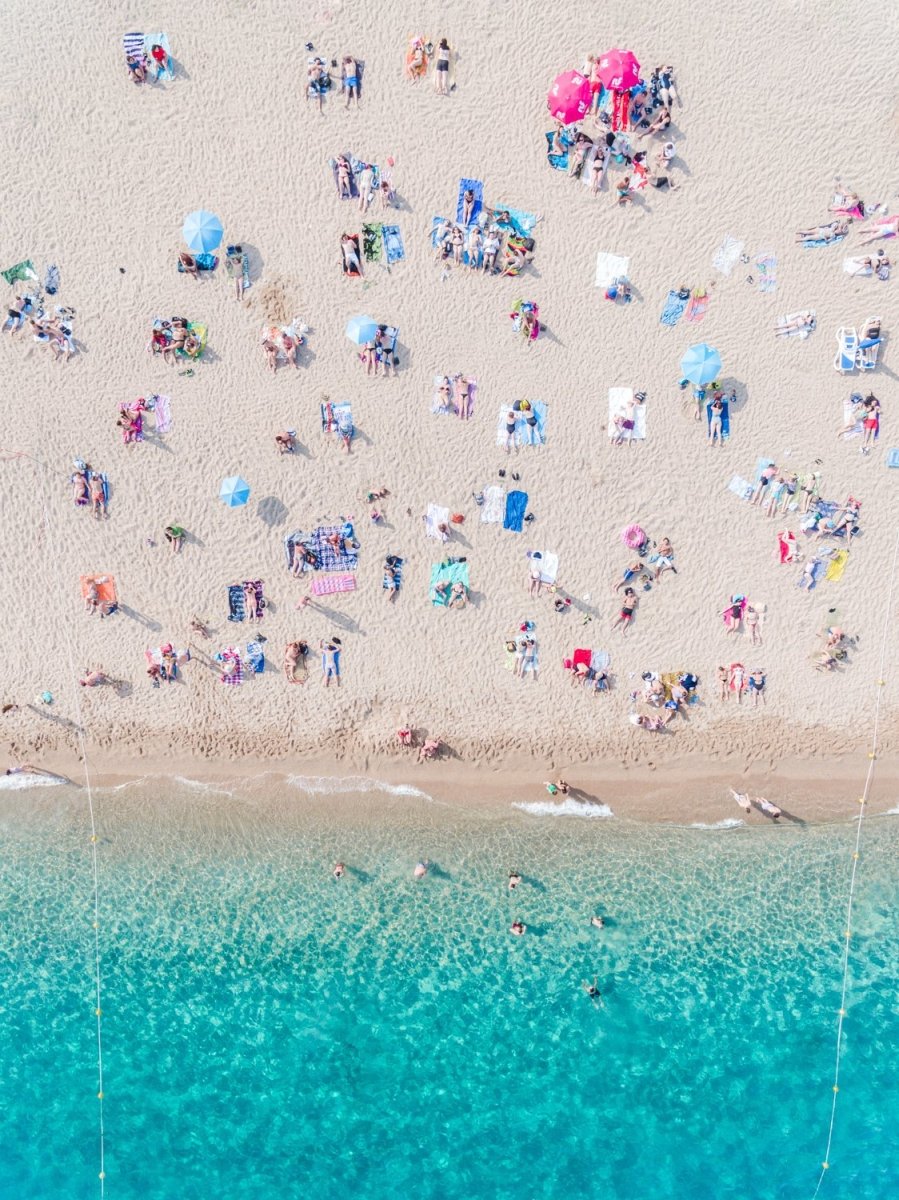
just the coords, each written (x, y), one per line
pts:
(105, 585)
(559, 162)
(331, 585)
(330, 558)
(494, 506)
(610, 267)
(446, 573)
(516, 507)
(393, 577)
(697, 306)
(766, 271)
(372, 242)
(741, 487)
(476, 186)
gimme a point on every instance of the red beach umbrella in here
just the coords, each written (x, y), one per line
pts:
(619, 70)
(569, 97)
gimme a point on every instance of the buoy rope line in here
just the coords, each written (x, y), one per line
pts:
(853, 875)
(95, 866)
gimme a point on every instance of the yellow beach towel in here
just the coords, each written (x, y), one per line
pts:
(837, 566)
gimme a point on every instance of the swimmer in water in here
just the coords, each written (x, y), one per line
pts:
(339, 870)
(592, 989)
(421, 869)
(518, 928)
(597, 922)
(514, 880)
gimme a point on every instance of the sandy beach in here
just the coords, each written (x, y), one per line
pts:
(105, 173)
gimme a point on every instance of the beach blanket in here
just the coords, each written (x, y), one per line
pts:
(804, 330)
(516, 506)
(523, 431)
(158, 38)
(255, 656)
(725, 419)
(162, 411)
(786, 546)
(476, 186)
(812, 243)
(393, 576)
(674, 308)
(355, 166)
(22, 270)
(105, 585)
(549, 566)
(727, 255)
(619, 398)
(741, 487)
(531, 664)
(372, 242)
(230, 655)
(446, 573)
(331, 585)
(558, 162)
(201, 333)
(858, 428)
(436, 516)
(494, 505)
(437, 403)
(582, 658)
(393, 244)
(698, 306)
(133, 45)
(766, 271)
(329, 557)
(837, 566)
(609, 267)
(236, 602)
(154, 658)
(812, 573)
(337, 418)
(521, 222)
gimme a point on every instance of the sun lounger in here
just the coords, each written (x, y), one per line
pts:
(436, 516)
(516, 507)
(869, 344)
(847, 350)
(446, 573)
(494, 506)
(619, 397)
(610, 267)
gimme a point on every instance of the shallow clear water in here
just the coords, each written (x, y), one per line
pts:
(270, 1032)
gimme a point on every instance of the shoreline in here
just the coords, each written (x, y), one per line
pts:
(685, 791)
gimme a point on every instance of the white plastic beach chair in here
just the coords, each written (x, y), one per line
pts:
(847, 350)
(867, 355)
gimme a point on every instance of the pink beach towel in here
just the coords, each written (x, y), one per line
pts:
(698, 306)
(327, 585)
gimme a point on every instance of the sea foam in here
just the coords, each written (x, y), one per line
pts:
(17, 783)
(569, 807)
(727, 823)
(330, 785)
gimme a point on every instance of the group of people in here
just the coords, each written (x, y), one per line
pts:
(47, 329)
(735, 680)
(652, 561)
(174, 337)
(489, 243)
(319, 81)
(89, 489)
(671, 693)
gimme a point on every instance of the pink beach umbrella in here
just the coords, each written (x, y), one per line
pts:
(569, 97)
(619, 70)
(633, 537)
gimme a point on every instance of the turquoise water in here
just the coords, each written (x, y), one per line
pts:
(269, 1032)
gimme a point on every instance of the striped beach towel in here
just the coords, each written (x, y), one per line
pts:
(766, 271)
(330, 585)
(133, 45)
(674, 308)
(393, 576)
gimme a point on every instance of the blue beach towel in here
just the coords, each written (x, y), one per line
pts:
(558, 161)
(674, 308)
(725, 419)
(256, 657)
(760, 466)
(893, 457)
(478, 188)
(810, 243)
(516, 506)
(393, 578)
(437, 223)
(236, 609)
(523, 223)
(393, 243)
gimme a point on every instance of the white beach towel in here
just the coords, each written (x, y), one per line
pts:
(494, 507)
(856, 266)
(804, 330)
(618, 401)
(609, 267)
(162, 411)
(740, 487)
(436, 516)
(549, 566)
(858, 429)
(727, 255)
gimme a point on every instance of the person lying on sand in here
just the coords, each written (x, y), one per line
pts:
(823, 233)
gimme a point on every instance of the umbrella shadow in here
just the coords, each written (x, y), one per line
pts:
(272, 511)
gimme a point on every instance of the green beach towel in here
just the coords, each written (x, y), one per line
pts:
(22, 270)
(372, 242)
(446, 572)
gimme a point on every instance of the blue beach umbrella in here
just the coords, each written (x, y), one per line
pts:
(361, 329)
(234, 491)
(202, 231)
(701, 364)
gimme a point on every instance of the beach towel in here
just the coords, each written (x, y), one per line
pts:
(728, 617)
(393, 244)
(893, 457)
(337, 418)
(527, 665)
(204, 261)
(786, 546)
(740, 487)
(436, 516)
(811, 243)
(516, 506)
(674, 308)
(329, 557)
(766, 271)
(494, 506)
(698, 306)
(727, 255)
(810, 321)
(549, 567)
(446, 573)
(523, 431)
(582, 658)
(51, 280)
(255, 656)
(523, 223)
(236, 608)
(857, 266)
(159, 39)
(610, 267)
(133, 45)
(331, 585)
(23, 270)
(230, 655)
(154, 658)
(476, 186)
(837, 566)
(393, 576)
(618, 401)
(372, 242)
(438, 224)
(725, 419)
(105, 585)
(812, 572)
(350, 271)
(162, 411)
(558, 162)
(201, 333)
(858, 428)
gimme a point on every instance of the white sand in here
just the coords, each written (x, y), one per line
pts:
(777, 100)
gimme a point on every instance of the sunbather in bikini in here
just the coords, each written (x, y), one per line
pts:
(823, 233)
(462, 396)
(251, 603)
(189, 264)
(885, 228)
(659, 125)
(80, 487)
(767, 474)
(468, 203)
(803, 320)
(98, 497)
(458, 597)
(457, 242)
